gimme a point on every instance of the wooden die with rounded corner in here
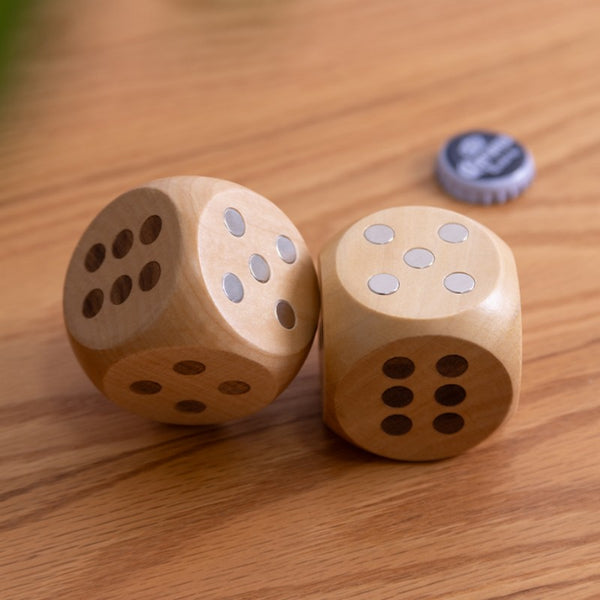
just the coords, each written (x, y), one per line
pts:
(191, 300)
(421, 339)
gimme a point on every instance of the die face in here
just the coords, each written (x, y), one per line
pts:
(423, 398)
(418, 262)
(189, 385)
(123, 269)
(258, 272)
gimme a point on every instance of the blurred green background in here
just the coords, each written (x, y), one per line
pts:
(13, 20)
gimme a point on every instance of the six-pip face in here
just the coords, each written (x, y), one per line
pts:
(123, 269)
(424, 398)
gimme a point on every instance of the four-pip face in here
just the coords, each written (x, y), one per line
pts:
(421, 333)
(191, 300)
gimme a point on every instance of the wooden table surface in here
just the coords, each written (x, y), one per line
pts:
(333, 109)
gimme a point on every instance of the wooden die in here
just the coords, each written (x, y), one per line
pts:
(421, 340)
(191, 300)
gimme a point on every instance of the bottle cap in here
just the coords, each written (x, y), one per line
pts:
(483, 167)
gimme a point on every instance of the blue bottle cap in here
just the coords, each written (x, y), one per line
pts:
(482, 167)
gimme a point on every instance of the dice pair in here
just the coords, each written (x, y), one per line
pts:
(193, 300)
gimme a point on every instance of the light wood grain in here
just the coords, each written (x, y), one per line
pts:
(332, 109)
